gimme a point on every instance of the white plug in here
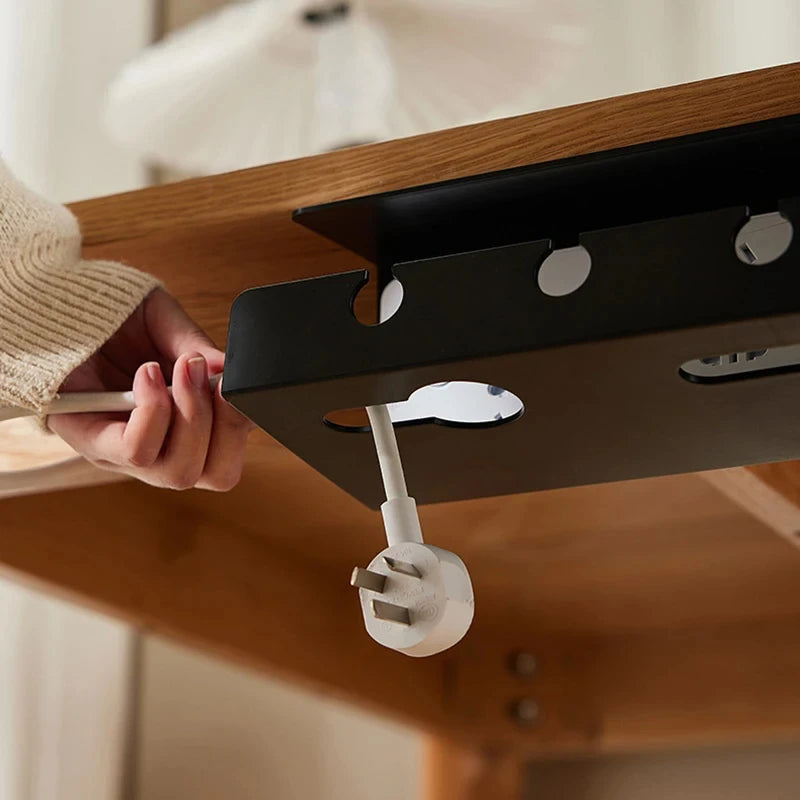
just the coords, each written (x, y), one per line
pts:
(415, 598)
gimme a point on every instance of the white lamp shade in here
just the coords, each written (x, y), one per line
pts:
(256, 82)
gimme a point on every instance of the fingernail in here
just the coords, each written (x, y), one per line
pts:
(154, 374)
(197, 371)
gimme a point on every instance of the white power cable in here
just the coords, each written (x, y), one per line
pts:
(394, 480)
(87, 402)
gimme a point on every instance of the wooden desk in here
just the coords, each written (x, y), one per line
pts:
(660, 612)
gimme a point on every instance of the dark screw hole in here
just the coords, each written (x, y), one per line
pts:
(523, 664)
(525, 712)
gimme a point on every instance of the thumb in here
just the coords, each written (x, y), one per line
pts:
(175, 333)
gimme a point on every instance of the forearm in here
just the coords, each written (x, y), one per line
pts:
(56, 309)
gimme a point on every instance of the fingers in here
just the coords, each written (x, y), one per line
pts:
(144, 436)
(206, 444)
(110, 442)
(184, 456)
(192, 439)
(226, 451)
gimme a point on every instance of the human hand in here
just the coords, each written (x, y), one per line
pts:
(192, 439)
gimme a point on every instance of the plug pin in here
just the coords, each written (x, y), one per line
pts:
(402, 567)
(390, 612)
(366, 579)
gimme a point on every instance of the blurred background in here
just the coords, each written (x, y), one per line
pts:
(99, 97)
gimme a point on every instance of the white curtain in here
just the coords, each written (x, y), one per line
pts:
(65, 673)
(64, 687)
(634, 45)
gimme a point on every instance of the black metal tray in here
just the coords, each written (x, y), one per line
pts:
(599, 370)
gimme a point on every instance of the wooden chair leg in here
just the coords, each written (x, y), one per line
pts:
(455, 772)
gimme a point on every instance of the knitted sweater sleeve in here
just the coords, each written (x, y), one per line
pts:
(56, 309)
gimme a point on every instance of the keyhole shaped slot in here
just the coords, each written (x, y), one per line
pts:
(460, 404)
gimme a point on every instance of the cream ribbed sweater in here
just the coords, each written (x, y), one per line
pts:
(55, 308)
